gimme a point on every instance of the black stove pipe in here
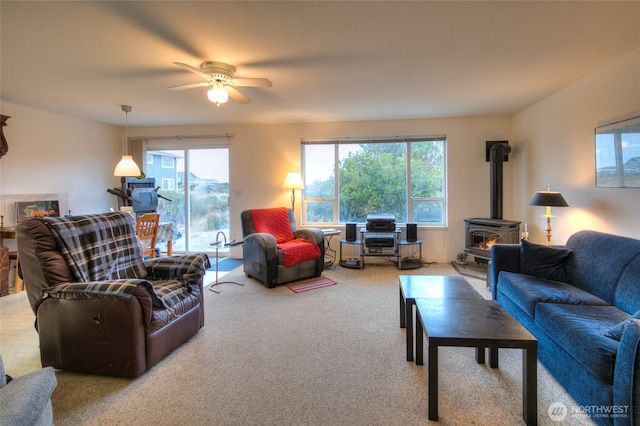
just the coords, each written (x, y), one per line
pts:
(497, 153)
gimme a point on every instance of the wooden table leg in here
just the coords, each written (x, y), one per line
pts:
(402, 309)
(419, 339)
(433, 381)
(530, 385)
(409, 329)
(493, 357)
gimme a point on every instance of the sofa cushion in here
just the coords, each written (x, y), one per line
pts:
(298, 250)
(579, 330)
(526, 291)
(616, 331)
(543, 261)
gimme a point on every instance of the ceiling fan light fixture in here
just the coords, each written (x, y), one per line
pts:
(217, 95)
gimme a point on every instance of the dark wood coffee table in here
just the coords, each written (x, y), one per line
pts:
(479, 324)
(414, 287)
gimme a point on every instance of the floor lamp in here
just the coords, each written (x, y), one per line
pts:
(548, 199)
(293, 182)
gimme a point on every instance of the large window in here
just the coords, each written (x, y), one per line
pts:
(347, 180)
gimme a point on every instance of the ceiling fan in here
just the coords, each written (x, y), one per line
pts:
(223, 85)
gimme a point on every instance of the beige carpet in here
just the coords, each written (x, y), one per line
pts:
(332, 356)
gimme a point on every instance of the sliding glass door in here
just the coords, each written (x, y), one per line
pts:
(193, 188)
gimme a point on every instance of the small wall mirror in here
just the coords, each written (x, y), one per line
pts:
(618, 154)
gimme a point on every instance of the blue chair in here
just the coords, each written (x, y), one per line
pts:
(26, 400)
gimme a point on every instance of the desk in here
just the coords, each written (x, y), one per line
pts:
(168, 233)
(5, 262)
(8, 233)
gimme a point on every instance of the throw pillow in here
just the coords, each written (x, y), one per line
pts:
(543, 261)
(616, 331)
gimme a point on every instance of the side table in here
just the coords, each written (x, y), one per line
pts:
(353, 262)
(329, 252)
(409, 263)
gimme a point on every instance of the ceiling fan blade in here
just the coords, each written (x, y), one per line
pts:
(189, 86)
(251, 82)
(193, 70)
(236, 96)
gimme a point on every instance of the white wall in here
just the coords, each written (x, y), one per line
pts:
(53, 153)
(554, 144)
(261, 156)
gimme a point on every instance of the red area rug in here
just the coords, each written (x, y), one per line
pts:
(310, 284)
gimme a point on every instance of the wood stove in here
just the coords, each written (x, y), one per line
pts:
(482, 233)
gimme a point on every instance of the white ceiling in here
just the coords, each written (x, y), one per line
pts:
(327, 60)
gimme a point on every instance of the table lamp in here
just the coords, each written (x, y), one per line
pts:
(293, 181)
(548, 199)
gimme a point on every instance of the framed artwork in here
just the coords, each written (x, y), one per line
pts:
(32, 209)
(618, 154)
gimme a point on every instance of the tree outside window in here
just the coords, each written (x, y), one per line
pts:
(346, 181)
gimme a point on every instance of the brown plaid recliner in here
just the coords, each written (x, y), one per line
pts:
(100, 307)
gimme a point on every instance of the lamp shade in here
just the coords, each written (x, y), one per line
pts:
(293, 181)
(126, 167)
(548, 199)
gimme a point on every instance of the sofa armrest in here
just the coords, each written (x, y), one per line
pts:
(190, 267)
(317, 236)
(314, 235)
(100, 291)
(260, 257)
(626, 376)
(26, 400)
(504, 257)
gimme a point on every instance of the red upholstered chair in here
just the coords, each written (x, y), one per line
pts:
(275, 252)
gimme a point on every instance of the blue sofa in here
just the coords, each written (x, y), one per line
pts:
(581, 301)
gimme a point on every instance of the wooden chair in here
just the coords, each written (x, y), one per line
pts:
(147, 231)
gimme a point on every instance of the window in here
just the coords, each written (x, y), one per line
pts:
(168, 184)
(168, 162)
(348, 179)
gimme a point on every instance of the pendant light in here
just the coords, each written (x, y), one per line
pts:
(126, 166)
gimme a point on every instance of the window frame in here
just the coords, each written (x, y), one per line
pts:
(410, 201)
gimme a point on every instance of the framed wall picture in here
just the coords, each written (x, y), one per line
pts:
(618, 154)
(32, 209)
